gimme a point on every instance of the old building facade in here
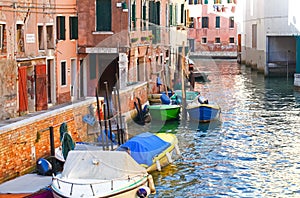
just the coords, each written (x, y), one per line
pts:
(270, 41)
(36, 55)
(212, 27)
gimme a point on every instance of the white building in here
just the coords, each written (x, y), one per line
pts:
(270, 36)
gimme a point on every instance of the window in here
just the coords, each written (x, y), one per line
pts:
(73, 27)
(63, 70)
(217, 40)
(41, 37)
(103, 15)
(133, 15)
(204, 40)
(191, 22)
(254, 36)
(61, 30)
(20, 38)
(217, 1)
(145, 14)
(231, 22)
(1, 36)
(231, 40)
(217, 22)
(205, 1)
(182, 14)
(50, 40)
(204, 22)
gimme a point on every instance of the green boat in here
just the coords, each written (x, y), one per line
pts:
(164, 112)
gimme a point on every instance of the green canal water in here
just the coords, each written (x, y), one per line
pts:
(253, 151)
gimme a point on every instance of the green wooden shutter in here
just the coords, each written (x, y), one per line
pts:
(133, 14)
(157, 13)
(103, 15)
(217, 22)
(60, 21)
(73, 27)
(182, 13)
(151, 12)
(171, 14)
(205, 1)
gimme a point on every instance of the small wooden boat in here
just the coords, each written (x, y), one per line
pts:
(102, 174)
(152, 151)
(203, 111)
(164, 112)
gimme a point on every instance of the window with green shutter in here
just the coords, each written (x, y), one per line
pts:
(133, 15)
(204, 22)
(171, 14)
(144, 17)
(61, 30)
(205, 1)
(73, 27)
(103, 15)
(217, 22)
(182, 13)
(63, 76)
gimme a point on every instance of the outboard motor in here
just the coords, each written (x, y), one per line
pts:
(202, 100)
(43, 167)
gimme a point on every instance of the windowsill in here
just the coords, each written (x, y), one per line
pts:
(102, 32)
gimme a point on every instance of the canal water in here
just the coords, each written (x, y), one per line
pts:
(253, 151)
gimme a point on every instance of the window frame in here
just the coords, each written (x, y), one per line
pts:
(41, 42)
(61, 27)
(2, 26)
(231, 22)
(218, 22)
(105, 24)
(202, 39)
(49, 42)
(217, 40)
(203, 22)
(73, 27)
(63, 73)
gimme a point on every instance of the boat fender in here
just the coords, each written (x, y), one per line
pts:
(151, 184)
(169, 157)
(43, 167)
(158, 165)
(177, 149)
(143, 192)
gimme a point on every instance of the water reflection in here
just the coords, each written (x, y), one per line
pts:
(253, 152)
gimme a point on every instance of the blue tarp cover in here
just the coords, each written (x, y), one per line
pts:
(144, 147)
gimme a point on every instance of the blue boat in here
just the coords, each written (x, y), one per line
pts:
(203, 111)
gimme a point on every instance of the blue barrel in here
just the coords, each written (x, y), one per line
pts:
(43, 167)
(165, 99)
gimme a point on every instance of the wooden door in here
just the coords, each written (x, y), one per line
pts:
(23, 98)
(41, 87)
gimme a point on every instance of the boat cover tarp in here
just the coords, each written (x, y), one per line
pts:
(144, 147)
(102, 165)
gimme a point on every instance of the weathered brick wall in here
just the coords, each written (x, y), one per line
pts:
(8, 89)
(23, 142)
